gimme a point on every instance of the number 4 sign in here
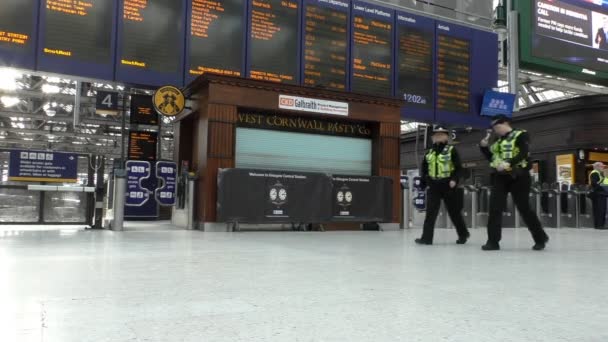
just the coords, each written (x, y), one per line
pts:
(107, 103)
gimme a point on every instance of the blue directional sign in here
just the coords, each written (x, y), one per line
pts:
(495, 103)
(167, 173)
(137, 171)
(43, 166)
(420, 201)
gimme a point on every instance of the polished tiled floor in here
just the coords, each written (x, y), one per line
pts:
(167, 285)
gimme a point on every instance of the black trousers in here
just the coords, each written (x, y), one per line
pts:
(519, 187)
(437, 191)
(599, 210)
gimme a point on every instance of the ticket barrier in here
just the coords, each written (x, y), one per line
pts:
(534, 201)
(567, 207)
(469, 207)
(406, 210)
(549, 207)
(584, 211)
(482, 206)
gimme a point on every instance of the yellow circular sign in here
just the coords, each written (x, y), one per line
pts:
(169, 101)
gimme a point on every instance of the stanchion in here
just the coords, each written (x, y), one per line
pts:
(191, 198)
(120, 187)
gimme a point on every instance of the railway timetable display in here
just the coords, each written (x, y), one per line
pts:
(439, 69)
(273, 40)
(152, 35)
(17, 32)
(372, 50)
(453, 74)
(142, 145)
(77, 31)
(415, 55)
(326, 44)
(216, 37)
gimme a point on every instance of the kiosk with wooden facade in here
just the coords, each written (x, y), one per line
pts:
(244, 123)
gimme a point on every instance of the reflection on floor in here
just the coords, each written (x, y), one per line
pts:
(177, 285)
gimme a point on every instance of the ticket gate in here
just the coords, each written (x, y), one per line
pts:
(549, 205)
(584, 208)
(469, 207)
(567, 207)
(483, 206)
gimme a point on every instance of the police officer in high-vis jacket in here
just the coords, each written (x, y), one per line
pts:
(441, 170)
(509, 160)
(598, 194)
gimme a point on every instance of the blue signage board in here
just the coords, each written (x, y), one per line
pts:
(496, 103)
(136, 194)
(420, 201)
(166, 172)
(43, 166)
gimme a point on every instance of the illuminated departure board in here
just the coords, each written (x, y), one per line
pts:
(453, 74)
(17, 32)
(326, 44)
(372, 50)
(142, 145)
(142, 110)
(151, 39)
(273, 40)
(77, 31)
(216, 37)
(415, 55)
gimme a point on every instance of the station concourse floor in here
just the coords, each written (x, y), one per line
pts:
(177, 285)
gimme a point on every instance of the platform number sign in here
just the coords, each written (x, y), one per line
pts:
(107, 103)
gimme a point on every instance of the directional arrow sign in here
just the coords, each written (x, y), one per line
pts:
(167, 173)
(136, 194)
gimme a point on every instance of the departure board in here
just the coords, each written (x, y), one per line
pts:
(151, 38)
(77, 31)
(142, 110)
(142, 145)
(372, 50)
(326, 44)
(453, 74)
(273, 40)
(216, 36)
(17, 32)
(415, 55)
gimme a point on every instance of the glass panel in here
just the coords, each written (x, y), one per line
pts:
(19, 205)
(65, 207)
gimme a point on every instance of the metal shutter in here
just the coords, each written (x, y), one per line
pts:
(288, 151)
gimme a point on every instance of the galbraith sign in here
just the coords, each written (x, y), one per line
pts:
(304, 104)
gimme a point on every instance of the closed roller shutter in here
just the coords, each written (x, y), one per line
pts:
(277, 150)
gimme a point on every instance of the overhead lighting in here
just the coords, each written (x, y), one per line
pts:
(9, 101)
(50, 112)
(8, 78)
(50, 89)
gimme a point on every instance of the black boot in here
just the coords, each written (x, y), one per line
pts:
(423, 242)
(490, 246)
(539, 246)
(463, 239)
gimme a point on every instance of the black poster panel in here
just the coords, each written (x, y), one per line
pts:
(362, 199)
(263, 196)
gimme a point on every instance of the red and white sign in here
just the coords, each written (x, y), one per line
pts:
(304, 104)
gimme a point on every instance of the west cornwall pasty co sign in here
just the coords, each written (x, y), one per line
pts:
(305, 104)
